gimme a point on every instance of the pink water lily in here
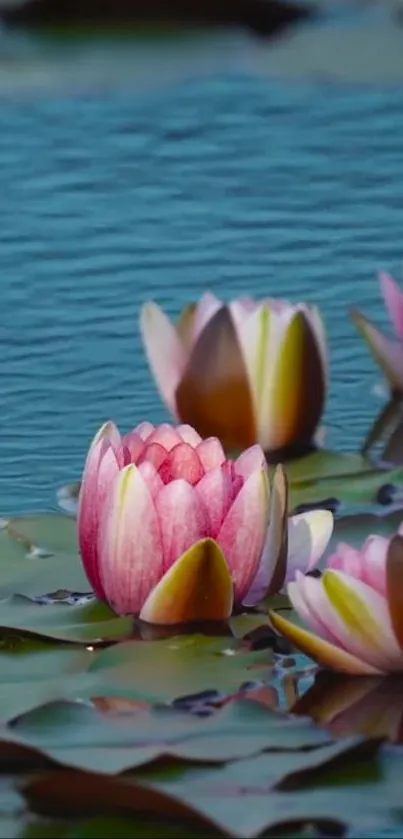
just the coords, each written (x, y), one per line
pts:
(172, 531)
(387, 352)
(247, 372)
(354, 611)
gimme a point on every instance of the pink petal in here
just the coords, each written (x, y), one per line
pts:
(206, 308)
(151, 477)
(100, 469)
(154, 453)
(369, 565)
(189, 435)
(182, 462)
(364, 630)
(243, 532)
(308, 537)
(387, 353)
(393, 297)
(270, 575)
(166, 435)
(211, 453)
(145, 429)
(165, 352)
(215, 490)
(129, 544)
(183, 519)
(374, 568)
(250, 460)
(306, 596)
(135, 444)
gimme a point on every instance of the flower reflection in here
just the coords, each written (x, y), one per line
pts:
(371, 705)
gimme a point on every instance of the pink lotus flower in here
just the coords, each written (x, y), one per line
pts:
(246, 372)
(173, 532)
(387, 352)
(355, 609)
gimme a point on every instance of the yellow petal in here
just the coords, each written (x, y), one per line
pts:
(185, 325)
(198, 587)
(394, 585)
(365, 624)
(321, 651)
(214, 394)
(298, 387)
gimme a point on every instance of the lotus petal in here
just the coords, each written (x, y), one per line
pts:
(144, 430)
(250, 460)
(165, 351)
(393, 297)
(243, 531)
(130, 544)
(394, 585)
(273, 563)
(359, 618)
(388, 354)
(183, 519)
(214, 394)
(328, 655)
(101, 466)
(211, 453)
(308, 537)
(198, 587)
(206, 308)
(165, 435)
(135, 444)
(182, 462)
(153, 453)
(152, 478)
(298, 386)
(215, 491)
(185, 326)
(189, 435)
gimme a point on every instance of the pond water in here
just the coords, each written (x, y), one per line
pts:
(230, 183)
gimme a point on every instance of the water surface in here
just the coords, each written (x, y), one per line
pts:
(232, 183)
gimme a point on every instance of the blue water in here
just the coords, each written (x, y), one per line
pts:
(231, 183)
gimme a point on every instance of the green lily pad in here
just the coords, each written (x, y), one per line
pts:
(32, 673)
(78, 736)
(39, 555)
(342, 785)
(91, 623)
(161, 671)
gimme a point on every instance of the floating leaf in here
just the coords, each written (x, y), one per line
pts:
(91, 623)
(161, 671)
(241, 798)
(81, 737)
(38, 555)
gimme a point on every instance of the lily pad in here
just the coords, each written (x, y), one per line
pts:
(79, 736)
(162, 671)
(243, 797)
(92, 623)
(38, 555)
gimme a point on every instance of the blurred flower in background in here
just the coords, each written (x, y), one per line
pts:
(387, 352)
(247, 371)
